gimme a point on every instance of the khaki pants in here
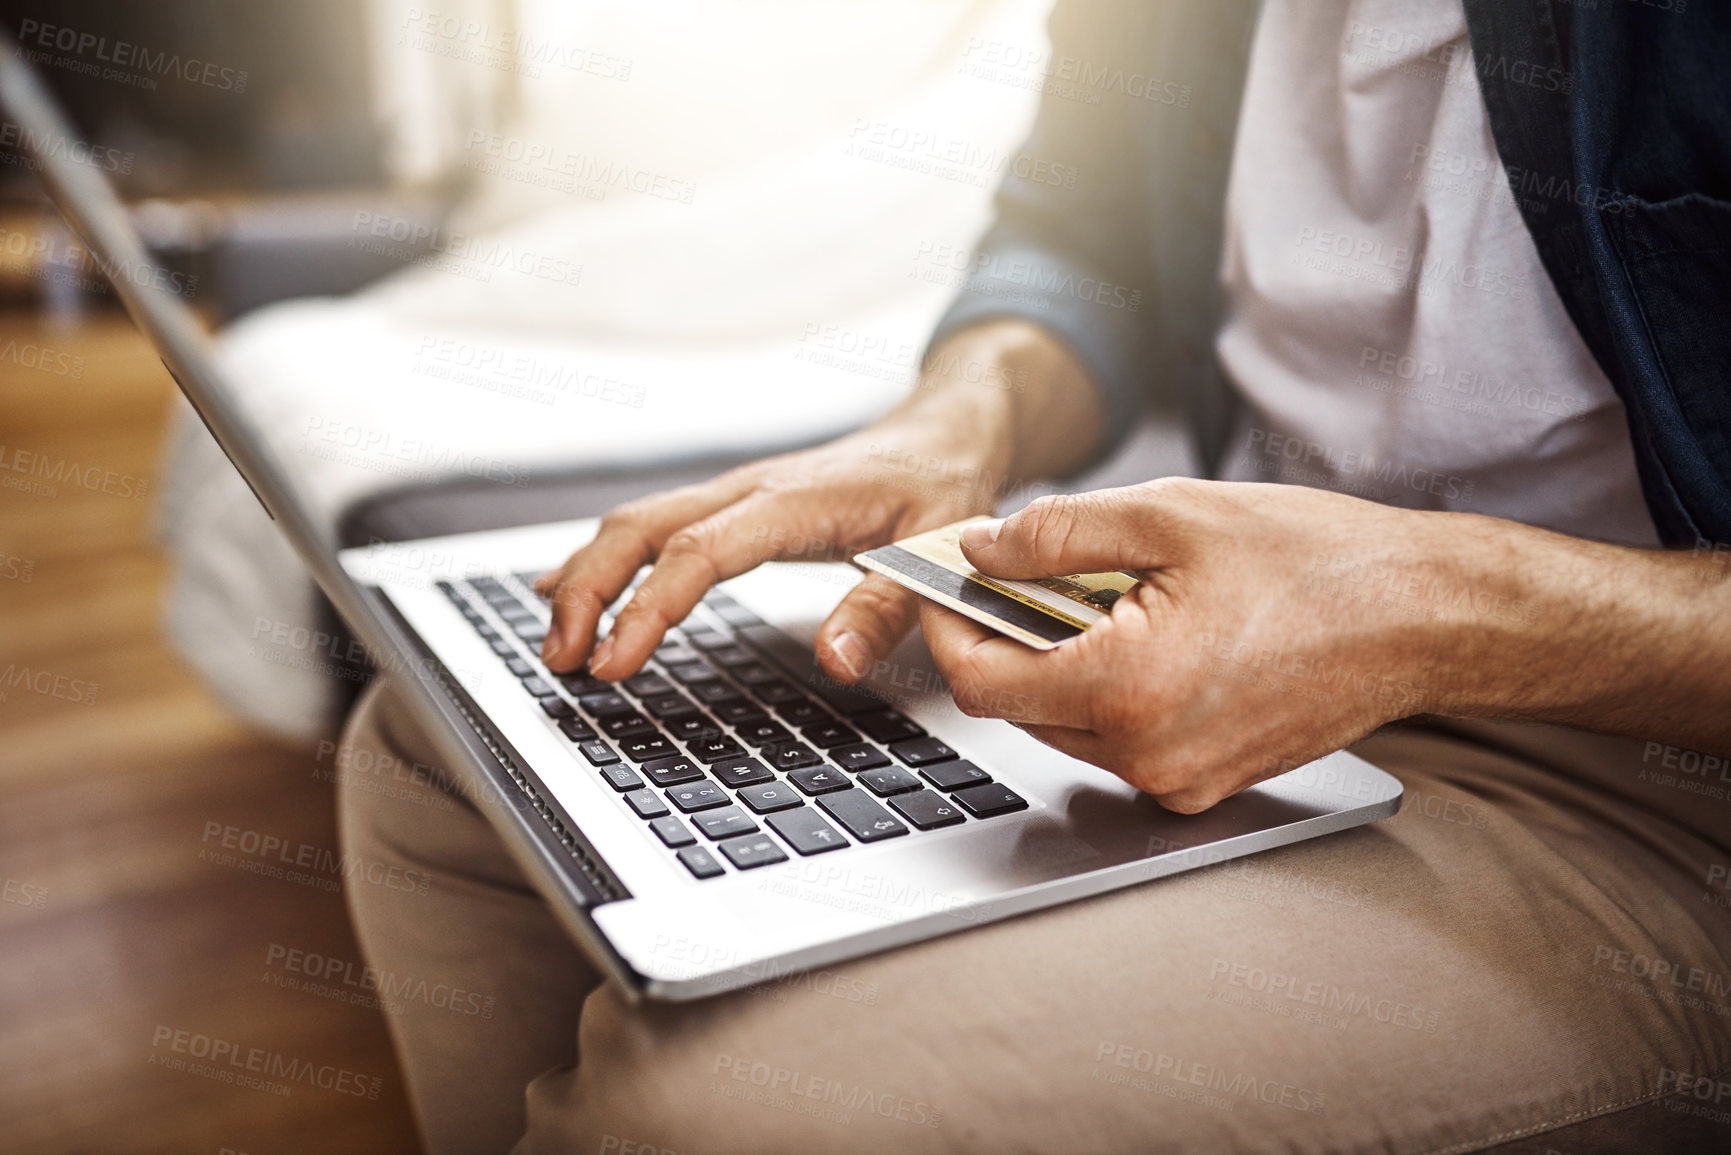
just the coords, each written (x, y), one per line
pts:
(1512, 962)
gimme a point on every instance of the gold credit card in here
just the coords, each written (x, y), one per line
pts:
(1043, 613)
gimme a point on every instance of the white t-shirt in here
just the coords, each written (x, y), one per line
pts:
(1389, 325)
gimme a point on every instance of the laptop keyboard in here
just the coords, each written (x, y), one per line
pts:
(731, 745)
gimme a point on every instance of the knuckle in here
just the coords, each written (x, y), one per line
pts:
(969, 700)
(1155, 776)
(893, 603)
(691, 539)
(1045, 525)
(1170, 488)
(1188, 801)
(631, 517)
(574, 597)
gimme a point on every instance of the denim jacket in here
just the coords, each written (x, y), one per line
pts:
(1613, 122)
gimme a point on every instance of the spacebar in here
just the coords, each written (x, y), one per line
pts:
(798, 660)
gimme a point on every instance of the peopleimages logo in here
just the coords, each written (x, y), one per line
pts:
(97, 156)
(228, 1061)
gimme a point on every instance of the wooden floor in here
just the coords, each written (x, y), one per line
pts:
(113, 930)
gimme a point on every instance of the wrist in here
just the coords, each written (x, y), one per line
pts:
(1527, 620)
(1015, 383)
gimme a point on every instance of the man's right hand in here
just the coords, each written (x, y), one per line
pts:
(942, 455)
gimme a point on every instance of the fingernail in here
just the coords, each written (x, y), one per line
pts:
(603, 654)
(549, 648)
(982, 534)
(850, 650)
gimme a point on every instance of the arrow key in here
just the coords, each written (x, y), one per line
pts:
(863, 818)
(927, 810)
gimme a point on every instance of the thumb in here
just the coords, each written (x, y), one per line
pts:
(869, 622)
(1076, 533)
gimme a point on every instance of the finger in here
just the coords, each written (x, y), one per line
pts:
(1192, 797)
(1077, 743)
(1077, 533)
(723, 545)
(629, 537)
(874, 616)
(993, 676)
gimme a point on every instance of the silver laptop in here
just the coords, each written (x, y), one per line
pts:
(729, 815)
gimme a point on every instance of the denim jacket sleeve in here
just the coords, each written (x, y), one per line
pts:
(1613, 122)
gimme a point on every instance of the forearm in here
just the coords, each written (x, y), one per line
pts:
(1011, 392)
(1557, 629)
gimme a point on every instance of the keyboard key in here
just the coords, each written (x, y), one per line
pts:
(801, 711)
(647, 685)
(862, 818)
(819, 779)
(763, 732)
(700, 862)
(672, 831)
(673, 653)
(700, 795)
(501, 647)
(706, 638)
(519, 668)
(621, 777)
(724, 823)
(991, 799)
(715, 749)
(844, 700)
(737, 772)
(732, 655)
(606, 702)
(672, 771)
(643, 747)
(770, 797)
(887, 780)
(691, 727)
(739, 712)
(558, 708)
(758, 850)
(532, 633)
(806, 831)
(647, 803)
(713, 693)
(922, 751)
(669, 705)
(824, 735)
(926, 810)
(776, 693)
(517, 612)
(626, 725)
(888, 726)
(789, 756)
(755, 673)
(598, 752)
(580, 684)
(954, 775)
(539, 687)
(576, 729)
(690, 672)
(862, 756)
